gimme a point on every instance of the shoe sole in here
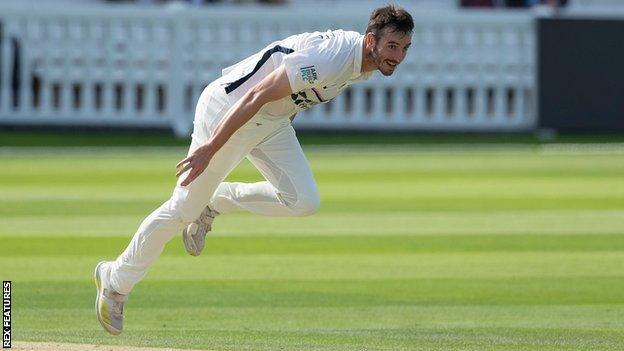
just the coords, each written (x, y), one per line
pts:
(97, 279)
(186, 238)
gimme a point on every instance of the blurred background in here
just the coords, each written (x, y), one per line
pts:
(518, 66)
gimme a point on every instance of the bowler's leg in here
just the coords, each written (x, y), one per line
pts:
(168, 220)
(186, 203)
(290, 189)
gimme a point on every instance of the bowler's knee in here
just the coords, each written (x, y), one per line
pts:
(182, 209)
(307, 206)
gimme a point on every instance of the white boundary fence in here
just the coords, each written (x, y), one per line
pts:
(137, 66)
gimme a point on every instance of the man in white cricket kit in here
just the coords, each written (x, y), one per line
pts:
(247, 113)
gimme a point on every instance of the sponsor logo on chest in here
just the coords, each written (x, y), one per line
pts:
(308, 74)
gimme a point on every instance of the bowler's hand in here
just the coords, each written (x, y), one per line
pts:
(197, 163)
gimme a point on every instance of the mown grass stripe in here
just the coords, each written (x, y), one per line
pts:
(65, 246)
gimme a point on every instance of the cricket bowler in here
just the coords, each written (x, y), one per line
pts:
(247, 112)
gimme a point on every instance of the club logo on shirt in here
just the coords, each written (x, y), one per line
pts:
(308, 74)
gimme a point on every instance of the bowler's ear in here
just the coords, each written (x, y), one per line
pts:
(370, 39)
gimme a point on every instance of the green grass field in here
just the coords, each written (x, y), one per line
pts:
(415, 248)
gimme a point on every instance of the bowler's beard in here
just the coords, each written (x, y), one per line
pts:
(379, 61)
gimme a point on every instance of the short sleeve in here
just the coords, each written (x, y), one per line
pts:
(308, 68)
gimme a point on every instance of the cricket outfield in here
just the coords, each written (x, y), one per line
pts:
(415, 248)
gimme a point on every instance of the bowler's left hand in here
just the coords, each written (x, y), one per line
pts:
(196, 163)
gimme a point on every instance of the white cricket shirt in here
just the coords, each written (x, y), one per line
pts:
(319, 66)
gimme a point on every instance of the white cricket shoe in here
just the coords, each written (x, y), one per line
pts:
(108, 303)
(194, 235)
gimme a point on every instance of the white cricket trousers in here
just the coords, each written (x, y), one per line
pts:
(271, 146)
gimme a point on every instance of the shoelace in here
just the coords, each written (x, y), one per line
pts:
(205, 215)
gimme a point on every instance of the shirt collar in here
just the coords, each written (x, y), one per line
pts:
(357, 64)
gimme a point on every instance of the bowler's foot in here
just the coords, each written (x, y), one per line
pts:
(108, 303)
(194, 235)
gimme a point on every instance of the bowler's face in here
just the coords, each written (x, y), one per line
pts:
(390, 50)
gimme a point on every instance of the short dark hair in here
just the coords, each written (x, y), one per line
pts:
(392, 17)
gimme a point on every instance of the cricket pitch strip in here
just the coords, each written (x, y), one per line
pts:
(57, 346)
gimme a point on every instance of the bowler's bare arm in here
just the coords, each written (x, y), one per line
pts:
(273, 87)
